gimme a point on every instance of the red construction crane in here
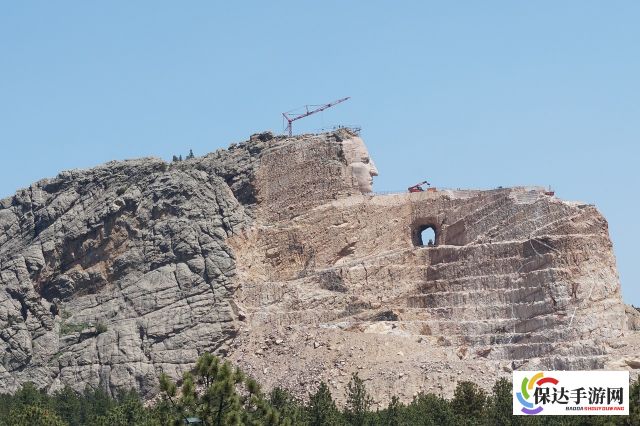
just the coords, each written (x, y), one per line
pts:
(418, 187)
(293, 117)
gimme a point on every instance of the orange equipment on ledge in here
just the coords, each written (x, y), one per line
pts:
(550, 192)
(418, 187)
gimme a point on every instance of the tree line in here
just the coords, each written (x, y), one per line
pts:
(189, 156)
(217, 393)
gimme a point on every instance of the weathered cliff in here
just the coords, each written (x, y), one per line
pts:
(111, 275)
(276, 254)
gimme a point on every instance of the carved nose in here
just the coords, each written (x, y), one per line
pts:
(373, 171)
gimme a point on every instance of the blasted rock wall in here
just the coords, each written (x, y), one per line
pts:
(517, 279)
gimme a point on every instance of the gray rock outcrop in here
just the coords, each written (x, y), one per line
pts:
(111, 275)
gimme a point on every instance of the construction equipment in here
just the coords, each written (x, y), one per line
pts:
(293, 117)
(418, 187)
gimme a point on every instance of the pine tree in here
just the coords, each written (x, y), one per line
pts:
(96, 403)
(634, 403)
(322, 409)
(34, 415)
(500, 404)
(289, 406)
(67, 403)
(128, 412)
(358, 401)
(28, 394)
(227, 397)
(430, 409)
(469, 401)
(394, 412)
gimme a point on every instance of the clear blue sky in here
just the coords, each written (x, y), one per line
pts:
(467, 94)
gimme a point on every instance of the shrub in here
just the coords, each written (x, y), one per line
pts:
(101, 328)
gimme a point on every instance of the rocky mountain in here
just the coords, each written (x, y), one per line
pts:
(276, 254)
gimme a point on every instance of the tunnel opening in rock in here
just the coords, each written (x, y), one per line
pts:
(425, 236)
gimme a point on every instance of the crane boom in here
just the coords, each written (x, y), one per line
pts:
(293, 117)
(418, 186)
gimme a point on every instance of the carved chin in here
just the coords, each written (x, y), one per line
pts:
(365, 185)
(362, 177)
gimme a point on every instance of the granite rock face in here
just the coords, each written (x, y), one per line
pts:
(274, 254)
(111, 275)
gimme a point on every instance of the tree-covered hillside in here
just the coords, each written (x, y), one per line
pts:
(216, 393)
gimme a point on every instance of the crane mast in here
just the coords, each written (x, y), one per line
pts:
(293, 117)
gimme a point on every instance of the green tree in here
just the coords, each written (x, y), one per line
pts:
(322, 409)
(358, 401)
(469, 402)
(394, 415)
(500, 404)
(162, 412)
(430, 409)
(289, 406)
(634, 404)
(227, 396)
(6, 403)
(68, 404)
(97, 403)
(128, 412)
(28, 394)
(33, 415)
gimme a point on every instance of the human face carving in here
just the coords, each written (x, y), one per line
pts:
(362, 167)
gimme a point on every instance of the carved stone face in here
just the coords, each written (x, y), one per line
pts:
(362, 167)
